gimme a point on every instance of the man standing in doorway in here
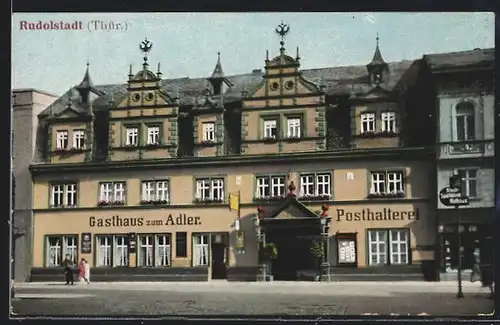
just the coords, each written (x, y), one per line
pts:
(68, 270)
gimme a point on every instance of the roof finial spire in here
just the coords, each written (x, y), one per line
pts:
(298, 55)
(130, 75)
(145, 48)
(218, 72)
(282, 30)
(158, 72)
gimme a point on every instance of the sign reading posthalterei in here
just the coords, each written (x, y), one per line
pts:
(380, 215)
(117, 221)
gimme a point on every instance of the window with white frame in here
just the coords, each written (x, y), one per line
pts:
(162, 250)
(200, 249)
(132, 136)
(60, 246)
(270, 186)
(210, 189)
(270, 129)
(208, 131)
(157, 191)
(390, 182)
(293, 127)
(153, 135)
(469, 181)
(112, 192)
(112, 250)
(388, 121)
(61, 139)
(79, 139)
(388, 246)
(63, 195)
(315, 185)
(367, 122)
(146, 251)
(465, 122)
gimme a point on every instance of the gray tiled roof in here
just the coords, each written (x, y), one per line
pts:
(465, 58)
(346, 80)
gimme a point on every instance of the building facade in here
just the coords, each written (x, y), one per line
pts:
(464, 90)
(136, 178)
(26, 105)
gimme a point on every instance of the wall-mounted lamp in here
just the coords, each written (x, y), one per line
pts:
(237, 225)
(440, 229)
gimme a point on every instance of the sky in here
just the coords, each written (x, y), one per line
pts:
(187, 44)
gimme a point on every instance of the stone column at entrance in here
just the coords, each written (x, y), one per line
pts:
(325, 227)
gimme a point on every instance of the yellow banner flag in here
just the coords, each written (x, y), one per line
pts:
(234, 202)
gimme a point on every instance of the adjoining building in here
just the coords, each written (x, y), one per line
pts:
(136, 178)
(463, 85)
(26, 105)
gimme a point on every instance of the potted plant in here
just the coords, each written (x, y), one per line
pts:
(318, 251)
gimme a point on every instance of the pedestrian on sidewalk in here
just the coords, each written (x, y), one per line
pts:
(68, 270)
(81, 271)
(86, 271)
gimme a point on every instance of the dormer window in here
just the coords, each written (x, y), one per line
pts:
(61, 139)
(388, 122)
(78, 139)
(132, 136)
(270, 129)
(209, 131)
(367, 122)
(153, 135)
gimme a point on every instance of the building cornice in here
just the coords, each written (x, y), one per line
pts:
(387, 154)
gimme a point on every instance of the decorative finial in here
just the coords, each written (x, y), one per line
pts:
(298, 56)
(70, 101)
(267, 55)
(158, 72)
(218, 55)
(282, 30)
(88, 63)
(378, 39)
(146, 46)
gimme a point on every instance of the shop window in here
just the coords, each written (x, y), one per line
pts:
(63, 195)
(200, 249)
(154, 250)
(58, 247)
(347, 249)
(315, 186)
(270, 186)
(388, 247)
(112, 250)
(181, 244)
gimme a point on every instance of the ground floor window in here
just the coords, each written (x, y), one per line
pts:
(112, 250)
(388, 246)
(58, 246)
(200, 249)
(471, 248)
(154, 250)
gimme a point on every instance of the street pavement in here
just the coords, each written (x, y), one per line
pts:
(250, 298)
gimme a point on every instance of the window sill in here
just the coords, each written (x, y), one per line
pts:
(152, 146)
(63, 207)
(270, 140)
(110, 204)
(160, 202)
(270, 198)
(315, 198)
(201, 201)
(69, 151)
(292, 139)
(371, 135)
(206, 143)
(386, 196)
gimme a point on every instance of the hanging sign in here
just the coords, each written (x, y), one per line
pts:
(452, 196)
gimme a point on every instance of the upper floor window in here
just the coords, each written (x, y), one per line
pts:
(388, 183)
(112, 193)
(155, 191)
(367, 122)
(62, 139)
(132, 136)
(293, 127)
(270, 186)
(270, 129)
(388, 121)
(208, 131)
(78, 139)
(63, 195)
(316, 186)
(210, 189)
(153, 135)
(465, 121)
(469, 181)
